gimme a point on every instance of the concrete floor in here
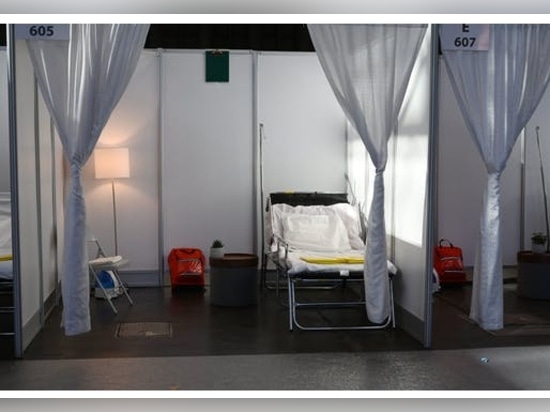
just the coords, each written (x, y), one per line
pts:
(486, 369)
(250, 349)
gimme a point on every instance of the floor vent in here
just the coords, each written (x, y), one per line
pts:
(144, 330)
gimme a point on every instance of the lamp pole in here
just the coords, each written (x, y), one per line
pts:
(114, 216)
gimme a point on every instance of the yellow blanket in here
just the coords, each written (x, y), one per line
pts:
(6, 257)
(333, 260)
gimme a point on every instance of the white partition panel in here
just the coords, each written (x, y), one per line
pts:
(28, 189)
(462, 178)
(409, 199)
(133, 124)
(4, 126)
(47, 214)
(39, 188)
(304, 146)
(207, 153)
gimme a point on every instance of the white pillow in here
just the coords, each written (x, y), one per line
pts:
(351, 220)
(324, 233)
(348, 214)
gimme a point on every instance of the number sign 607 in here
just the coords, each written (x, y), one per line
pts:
(465, 41)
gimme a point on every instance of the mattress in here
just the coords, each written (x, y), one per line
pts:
(322, 262)
(6, 269)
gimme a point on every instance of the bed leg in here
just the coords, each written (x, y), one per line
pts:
(290, 303)
(392, 303)
(263, 272)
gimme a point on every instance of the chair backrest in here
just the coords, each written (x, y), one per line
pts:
(93, 240)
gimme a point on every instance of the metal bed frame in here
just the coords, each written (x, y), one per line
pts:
(297, 282)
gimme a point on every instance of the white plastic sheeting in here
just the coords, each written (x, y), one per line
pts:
(497, 91)
(368, 67)
(82, 80)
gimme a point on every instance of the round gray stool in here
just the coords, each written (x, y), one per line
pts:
(234, 280)
(533, 275)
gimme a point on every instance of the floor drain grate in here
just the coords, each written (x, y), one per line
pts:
(144, 329)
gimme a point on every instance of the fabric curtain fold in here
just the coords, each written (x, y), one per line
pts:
(497, 91)
(81, 81)
(368, 68)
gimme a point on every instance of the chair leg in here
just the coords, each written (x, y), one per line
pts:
(104, 291)
(124, 290)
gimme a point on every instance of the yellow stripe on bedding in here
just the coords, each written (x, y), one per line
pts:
(332, 260)
(6, 257)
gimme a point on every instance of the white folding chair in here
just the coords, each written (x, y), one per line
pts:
(112, 264)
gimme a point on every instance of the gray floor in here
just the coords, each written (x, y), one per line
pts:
(488, 369)
(229, 356)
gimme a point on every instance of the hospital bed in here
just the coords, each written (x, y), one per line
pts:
(316, 240)
(6, 273)
(6, 269)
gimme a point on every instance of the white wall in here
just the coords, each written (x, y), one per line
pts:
(462, 178)
(134, 123)
(207, 154)
(304, 142)
(304, 128)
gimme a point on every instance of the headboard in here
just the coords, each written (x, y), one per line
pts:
(308, 198)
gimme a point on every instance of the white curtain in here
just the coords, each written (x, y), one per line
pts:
(497, 91)
(82, 80)
(368, 67)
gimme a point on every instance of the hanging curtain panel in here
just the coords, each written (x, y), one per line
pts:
(499, 74)
(368, 67)
(82, 80)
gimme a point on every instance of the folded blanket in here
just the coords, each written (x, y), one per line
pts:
(325, 260)
(107, 260)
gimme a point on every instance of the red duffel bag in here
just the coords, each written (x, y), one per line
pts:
(186, 267)
(448, 263)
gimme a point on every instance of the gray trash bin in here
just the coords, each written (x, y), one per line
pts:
(234, 280)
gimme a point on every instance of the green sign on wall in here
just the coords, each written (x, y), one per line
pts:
(217, 66)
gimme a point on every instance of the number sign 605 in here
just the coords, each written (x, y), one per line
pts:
(41, 31)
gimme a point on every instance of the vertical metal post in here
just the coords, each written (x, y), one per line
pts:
(523, 155)
(38, 191)
(431, 193)
(160, 159)
(14, 190)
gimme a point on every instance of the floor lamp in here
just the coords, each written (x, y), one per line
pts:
(112, 163)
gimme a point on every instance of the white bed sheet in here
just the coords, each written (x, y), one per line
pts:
(348, 216)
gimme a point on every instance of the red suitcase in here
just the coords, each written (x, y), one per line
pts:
(187, 267)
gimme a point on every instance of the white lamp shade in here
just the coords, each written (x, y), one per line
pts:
(112, 163)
